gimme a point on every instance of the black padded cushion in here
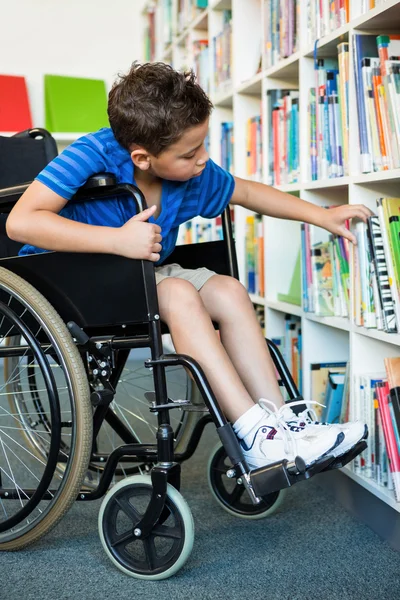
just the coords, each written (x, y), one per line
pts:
(22, 158)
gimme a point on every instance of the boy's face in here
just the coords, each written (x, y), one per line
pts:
(183, 160)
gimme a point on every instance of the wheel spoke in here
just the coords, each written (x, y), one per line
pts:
(236, 495)
(166, 532)
(150, 551)
(128, 509)
(123, 539)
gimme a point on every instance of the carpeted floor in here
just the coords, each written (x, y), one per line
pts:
(310, 550)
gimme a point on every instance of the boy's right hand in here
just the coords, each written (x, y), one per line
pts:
(139, 239)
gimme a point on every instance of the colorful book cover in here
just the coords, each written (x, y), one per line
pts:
(75, 104)
(15, 112)
(319, 380)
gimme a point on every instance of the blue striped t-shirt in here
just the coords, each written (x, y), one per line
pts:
(206, 195)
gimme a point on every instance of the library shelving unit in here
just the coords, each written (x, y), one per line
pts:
(244, 96)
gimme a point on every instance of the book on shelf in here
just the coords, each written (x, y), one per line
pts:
(199, 230)
(227, 144)
(320, 385)
(254, 149)
(325, 16)
(376, 272)
(222, 55)
(254, 263)
(201, 64)
(15, 111)
(188, 10)
(377, 82)
(281, 29)
(328, 114)
(283, 124)
(290, 346)
(376, 403)
(294, 294)
(75, 104)
(325, 272)
(260, 314)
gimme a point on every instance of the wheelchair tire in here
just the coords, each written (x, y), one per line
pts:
(30, 307)
(231, 495)
(164, 552)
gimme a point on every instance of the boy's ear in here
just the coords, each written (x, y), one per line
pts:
(140, 158)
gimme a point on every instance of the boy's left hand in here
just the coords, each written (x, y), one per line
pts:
(334, 219)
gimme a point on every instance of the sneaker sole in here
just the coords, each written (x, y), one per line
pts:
(330, 452)
(343, 449)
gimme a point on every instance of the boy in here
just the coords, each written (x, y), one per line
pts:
(159, 121)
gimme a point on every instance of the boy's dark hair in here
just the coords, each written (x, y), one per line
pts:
(153, 105)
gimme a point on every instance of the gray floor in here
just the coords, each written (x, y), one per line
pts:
(311, 550)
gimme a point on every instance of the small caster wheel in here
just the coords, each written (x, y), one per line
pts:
(168, 546)
(232, 495)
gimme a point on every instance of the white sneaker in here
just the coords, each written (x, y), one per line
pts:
(354, 431)
(275, 441)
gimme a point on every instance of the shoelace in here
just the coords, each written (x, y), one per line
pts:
(289, 442)
(288, 437)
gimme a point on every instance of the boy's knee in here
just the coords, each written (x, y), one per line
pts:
(228, 289)
(177, 297)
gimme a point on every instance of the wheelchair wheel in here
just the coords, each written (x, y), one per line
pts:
(165, 550)
(231, 494)
(45, 415)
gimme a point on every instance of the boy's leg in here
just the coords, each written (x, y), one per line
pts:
(193, 334)
(228, 303)
(264, 436)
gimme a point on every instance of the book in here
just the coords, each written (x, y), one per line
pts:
(319, 379)
(390, 439)
(15, 112)
(75, 104)
(294, 294)
(333, 397)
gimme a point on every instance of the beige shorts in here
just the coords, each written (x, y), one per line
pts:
(197, 277)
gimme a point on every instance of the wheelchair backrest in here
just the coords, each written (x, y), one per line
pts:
(22, 157)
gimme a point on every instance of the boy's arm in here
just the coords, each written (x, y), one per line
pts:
(267, 200)
(35, 220)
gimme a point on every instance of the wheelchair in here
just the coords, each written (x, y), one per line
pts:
(70, 428)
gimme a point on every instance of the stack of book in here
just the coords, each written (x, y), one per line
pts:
(281, 29)
(255, 255)
(324, 16)
(254, 154)
(290, 346)
(201, 64)
(227, 143)
(203, 230)
(283, 123)
(377, 403)
(377, 79)
(222, 48)
(325, 272)
(328, 110)
(377, 268)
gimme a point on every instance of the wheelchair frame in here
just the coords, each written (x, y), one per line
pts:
(146, 331)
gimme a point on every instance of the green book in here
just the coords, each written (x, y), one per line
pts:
(294, 294)
(391, 210)
(75, 104)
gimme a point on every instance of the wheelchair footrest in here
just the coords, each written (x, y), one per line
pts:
(280, 475)
(343, 460)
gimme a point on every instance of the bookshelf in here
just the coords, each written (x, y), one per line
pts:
(245, 96)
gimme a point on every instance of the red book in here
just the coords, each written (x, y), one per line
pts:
(15, 113)
(382, 392)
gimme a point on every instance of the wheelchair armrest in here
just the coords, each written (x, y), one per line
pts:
(102, 185)
(10, 195)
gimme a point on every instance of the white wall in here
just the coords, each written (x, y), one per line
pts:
(88, 38)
